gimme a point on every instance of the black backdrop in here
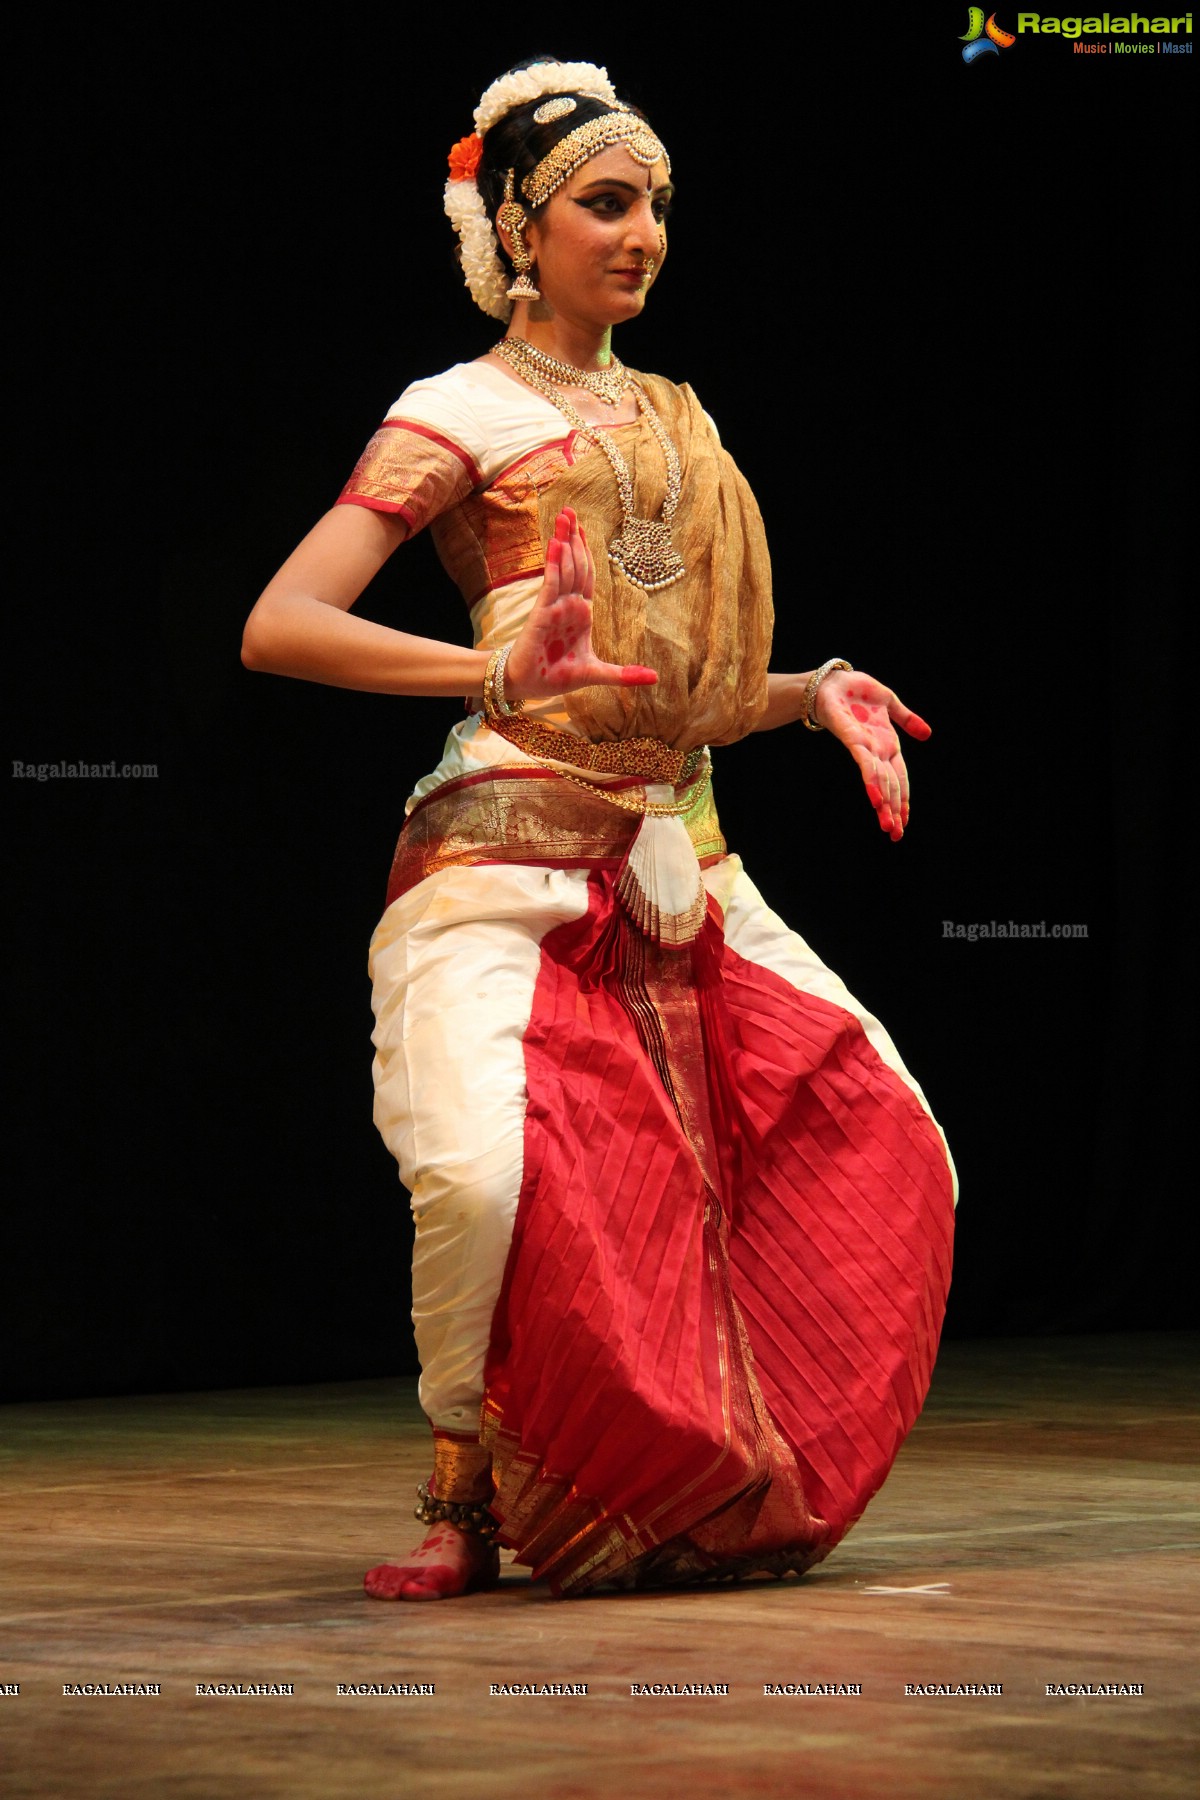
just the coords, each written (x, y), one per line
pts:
(939, 314)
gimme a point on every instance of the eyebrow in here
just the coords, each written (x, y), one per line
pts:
(606, 181)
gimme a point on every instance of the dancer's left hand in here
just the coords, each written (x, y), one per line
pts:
(864, 714)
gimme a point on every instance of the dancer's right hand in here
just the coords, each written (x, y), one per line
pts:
(553, 653)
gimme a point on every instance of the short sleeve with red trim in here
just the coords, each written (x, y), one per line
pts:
(426, 456)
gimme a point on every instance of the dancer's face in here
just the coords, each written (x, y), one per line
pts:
(595, 240)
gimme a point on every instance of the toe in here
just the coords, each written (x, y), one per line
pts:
(420, 1590)
(384, 1582)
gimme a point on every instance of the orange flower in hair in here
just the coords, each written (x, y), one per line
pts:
(464, 158)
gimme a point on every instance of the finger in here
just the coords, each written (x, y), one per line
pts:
(567, 526)
(552, 578)
(562, 538)
(872, 781)
(909, 721)
(577, 550)
(589, 585)
(579, 554)
(563, 534)
(584, 566)
(570, 583)
(896, 828)
(902, 790)
(875, 778)
(883, 803)
(866, 768)
(602, 674)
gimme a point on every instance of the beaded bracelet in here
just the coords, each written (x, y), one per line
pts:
(814, 682)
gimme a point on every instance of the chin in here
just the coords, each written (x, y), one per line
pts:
(632, 305)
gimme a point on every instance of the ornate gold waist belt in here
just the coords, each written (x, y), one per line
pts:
(646, 759)
(529, 815)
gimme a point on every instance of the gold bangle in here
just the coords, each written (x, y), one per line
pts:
(505, 707)
(494, 703)
(814, 682)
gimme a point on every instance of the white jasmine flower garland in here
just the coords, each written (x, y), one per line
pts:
(543, 78)
(481, 265)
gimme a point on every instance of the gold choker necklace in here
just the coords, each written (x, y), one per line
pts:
(642, 549)
(610, 385)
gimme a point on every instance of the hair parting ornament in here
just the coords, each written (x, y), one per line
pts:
(482, 267)
(555, 109)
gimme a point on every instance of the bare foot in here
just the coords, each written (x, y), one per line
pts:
(449, 1562)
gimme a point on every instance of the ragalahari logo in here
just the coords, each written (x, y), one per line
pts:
(983, 40)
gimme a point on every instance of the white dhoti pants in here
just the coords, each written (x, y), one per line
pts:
(453, 965)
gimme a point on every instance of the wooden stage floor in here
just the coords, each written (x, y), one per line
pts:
(1039, 1530)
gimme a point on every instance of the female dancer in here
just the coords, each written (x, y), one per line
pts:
(683, 1217)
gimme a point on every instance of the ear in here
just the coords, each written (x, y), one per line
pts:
(531, 232)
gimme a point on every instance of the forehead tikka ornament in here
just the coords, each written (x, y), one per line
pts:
(588, 140)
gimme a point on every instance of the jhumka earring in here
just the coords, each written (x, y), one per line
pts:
(512, 215)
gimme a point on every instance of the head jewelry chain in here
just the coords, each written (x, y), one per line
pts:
(579, 146)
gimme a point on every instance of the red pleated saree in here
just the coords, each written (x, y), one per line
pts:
(729, 1269)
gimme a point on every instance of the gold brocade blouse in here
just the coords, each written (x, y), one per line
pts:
(488, 464)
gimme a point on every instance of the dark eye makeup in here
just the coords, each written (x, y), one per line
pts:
(614, 204)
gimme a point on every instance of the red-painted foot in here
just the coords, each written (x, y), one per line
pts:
(448, 1563)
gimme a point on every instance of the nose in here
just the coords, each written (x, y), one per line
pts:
(644, 230)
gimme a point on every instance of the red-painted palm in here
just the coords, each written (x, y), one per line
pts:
(863, 715)
(553, 653)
